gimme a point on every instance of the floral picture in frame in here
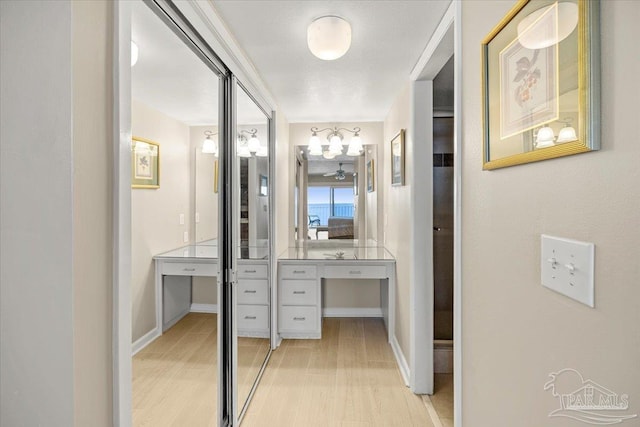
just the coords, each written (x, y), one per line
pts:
(397, 159)
(145, 163)
(541, 83)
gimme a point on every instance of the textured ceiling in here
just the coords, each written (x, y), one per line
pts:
(388, 38)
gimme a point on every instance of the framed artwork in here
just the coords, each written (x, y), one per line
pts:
(370, 176)
(215, 176)
(540, 83)
(145, 163)
(397, 159)
(264, 185)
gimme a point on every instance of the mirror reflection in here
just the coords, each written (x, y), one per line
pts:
(253, 295)
(174, 303)
(336, 196)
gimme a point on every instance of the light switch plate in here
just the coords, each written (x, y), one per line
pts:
(197, 217)
(181, 219)
(567, 267)
(185, 236)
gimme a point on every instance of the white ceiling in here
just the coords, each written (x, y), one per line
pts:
(387, 40)
(170, 78)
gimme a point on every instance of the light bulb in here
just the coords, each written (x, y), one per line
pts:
(254, 144)
(567, 134)
(355, 146)
(335, 145)
(545, 137)
(315, 147)
(209, 146)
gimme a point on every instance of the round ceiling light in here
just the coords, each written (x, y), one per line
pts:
(548, 25)
(329, 37)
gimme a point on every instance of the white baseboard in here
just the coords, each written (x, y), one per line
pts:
(352, 312)
(204, 308)
(401, 360)
(144, 340)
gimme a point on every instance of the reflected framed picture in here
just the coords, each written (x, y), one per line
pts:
(264, 185)
(215, 176)
(540, 83)
(145, 163)
(355, 184)
(397, 159)
(370, 176)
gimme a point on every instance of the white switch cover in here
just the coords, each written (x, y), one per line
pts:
(567, 267)
(181, 219)
(185, 236)
(197, 217)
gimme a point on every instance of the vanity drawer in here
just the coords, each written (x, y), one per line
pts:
(298, 292)
(298, 319)
(253, 291)
(189, 269)
(289, 271)
(253, 317)
(355, 271)
(252, 271)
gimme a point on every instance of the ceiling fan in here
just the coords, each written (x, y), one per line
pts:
(339, 174)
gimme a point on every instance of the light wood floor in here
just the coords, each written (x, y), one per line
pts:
(348, 379)
(442, 399)
(175, 377)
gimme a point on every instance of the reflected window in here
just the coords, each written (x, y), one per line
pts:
(328, 201)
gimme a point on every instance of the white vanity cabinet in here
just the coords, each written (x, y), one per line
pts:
(300, 276)
(299, 297)
(252, 292)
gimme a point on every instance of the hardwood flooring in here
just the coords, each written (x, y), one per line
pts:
(348, 378)
(442, 399)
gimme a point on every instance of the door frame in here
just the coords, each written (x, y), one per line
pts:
(445, 42)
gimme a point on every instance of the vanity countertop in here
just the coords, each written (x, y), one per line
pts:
(337, 251)
(207, 250)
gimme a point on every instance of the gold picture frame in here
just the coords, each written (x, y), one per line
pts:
(145, 163)
(397, 159)
(370, 177)
(541, 83)
(215, 176)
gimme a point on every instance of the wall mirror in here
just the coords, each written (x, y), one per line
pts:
(253, 290)
(332, 201)
(541, 83)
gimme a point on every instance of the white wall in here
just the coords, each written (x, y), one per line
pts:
(93, 212)
(205, 199)
(515, 332)
(155, 226)
(396, 218)
(36, 214)
(55, 213)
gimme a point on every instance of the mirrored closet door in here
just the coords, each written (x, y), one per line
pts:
(253, 290)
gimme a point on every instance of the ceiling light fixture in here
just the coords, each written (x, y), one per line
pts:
(134, 53)
(329, 37)
(253, 145)
(548, 25)
(335, 139)
(567, 133)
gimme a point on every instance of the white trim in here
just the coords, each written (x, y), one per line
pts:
(457, 218)
(145, 340)
(203, 308)
(352, 312)
(421, 285)
(122, 370)
(400, 360)
(438, 39)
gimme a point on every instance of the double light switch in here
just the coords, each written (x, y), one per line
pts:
(567, 267)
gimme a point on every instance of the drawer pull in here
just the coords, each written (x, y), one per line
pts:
(299, 271)
(249, 271)
(188, 269)
(355, 272)
(300, 318)
(250, 291)
(250, 317)
(299, 292)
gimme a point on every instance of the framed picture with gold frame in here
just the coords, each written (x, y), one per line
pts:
(145, 163)
(541, 83)
(370, 177)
